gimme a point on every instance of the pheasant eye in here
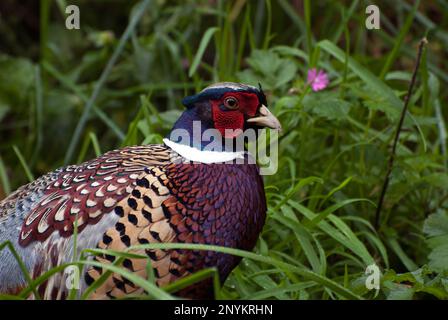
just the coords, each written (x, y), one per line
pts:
(231, 102)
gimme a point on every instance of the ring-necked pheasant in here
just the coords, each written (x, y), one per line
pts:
(145, 194)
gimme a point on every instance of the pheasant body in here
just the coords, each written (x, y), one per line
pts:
(129, 197)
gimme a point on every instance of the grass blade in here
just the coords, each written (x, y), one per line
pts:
(399, 40)
(4, 178)
(25, 167)
(102, 80)
(336, 287)
(202, 46)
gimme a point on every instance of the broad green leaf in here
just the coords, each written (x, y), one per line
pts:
(326, 105)
(436, 228)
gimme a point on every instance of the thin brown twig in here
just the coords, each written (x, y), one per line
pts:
(390, 163)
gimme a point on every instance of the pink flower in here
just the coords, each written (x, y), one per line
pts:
(317, 80)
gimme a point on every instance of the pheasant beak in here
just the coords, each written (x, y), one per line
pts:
(266, 119)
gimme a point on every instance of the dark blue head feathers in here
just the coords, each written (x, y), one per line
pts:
(216, 91)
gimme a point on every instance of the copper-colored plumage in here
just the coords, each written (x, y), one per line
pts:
(156, 199)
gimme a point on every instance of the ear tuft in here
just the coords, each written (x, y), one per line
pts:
(189, 101)
(262, 96)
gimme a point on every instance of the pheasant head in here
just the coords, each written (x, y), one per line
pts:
(228, 108)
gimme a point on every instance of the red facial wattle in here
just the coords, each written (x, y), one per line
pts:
(233, 120)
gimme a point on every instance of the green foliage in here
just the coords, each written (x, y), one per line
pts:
(267, 65)
(436, 228)
(123, 86)
(326, 105)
